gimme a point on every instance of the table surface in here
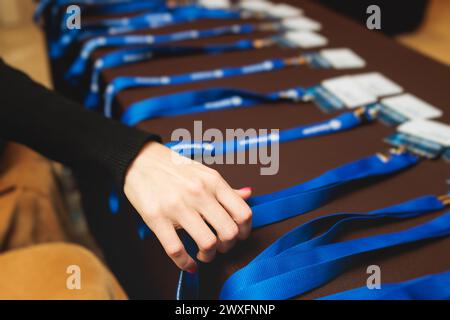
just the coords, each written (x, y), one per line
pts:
(143, 267)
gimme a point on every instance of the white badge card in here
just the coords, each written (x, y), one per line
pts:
(284, 10)
(215, 4)
(304, 39)
(343, 58)
(430, 130)
(377, 84)
(256, 6)
(301, 23)
(348, 91)
(411, 107)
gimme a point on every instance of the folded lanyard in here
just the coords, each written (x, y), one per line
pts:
(80, 64)
(430, 287)
(295, 270)
(197, 101)
(147, 21)
(122, 83)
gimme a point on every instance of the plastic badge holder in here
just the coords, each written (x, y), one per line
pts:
(215, 4)
(401, 108)
(283, 10)
(301, 23)
(427, 138)
(303, 39)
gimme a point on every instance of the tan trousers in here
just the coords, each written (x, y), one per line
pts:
(36, 254)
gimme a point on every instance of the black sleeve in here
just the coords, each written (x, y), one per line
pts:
(63, 130)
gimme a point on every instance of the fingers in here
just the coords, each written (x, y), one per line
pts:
(236, 207)
(205, 239)
(226, 228)
(165, 232)
(244, 193)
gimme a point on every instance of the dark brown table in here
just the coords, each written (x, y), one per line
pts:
(145, 270)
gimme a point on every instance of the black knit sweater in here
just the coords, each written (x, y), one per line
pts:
(63, 130)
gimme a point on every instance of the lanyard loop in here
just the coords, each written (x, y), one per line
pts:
(296, 271)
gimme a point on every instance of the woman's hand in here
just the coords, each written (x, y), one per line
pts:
(170, 191)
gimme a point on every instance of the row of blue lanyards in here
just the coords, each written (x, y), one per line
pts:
(133, 55)
(124, 82)
(322, 237)
(80, 64)
(429, 287)
(146, 21)
(298, 262)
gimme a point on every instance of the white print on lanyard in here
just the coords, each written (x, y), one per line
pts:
(264, 142)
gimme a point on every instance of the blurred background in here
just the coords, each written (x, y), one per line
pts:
(423, 25)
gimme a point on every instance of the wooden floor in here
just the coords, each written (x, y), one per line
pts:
(23, 46)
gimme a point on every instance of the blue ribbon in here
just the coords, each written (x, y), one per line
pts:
(344, 121)
(122, 83)
(197, 101)
(80, 64)
(429, 287)
(145, 21)
(295, 270)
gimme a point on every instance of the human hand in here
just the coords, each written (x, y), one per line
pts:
(170, 193)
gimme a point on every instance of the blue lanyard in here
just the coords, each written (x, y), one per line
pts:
(197, 101)
(430, 287)
(295, 270)
(140, 22)
(122, 83)
(80, 64)
(127, 56)
(310, 195)
(344, 121)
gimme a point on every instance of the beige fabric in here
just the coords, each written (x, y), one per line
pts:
(34, 248)
(41, 272)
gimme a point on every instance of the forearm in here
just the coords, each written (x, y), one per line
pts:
(63, 130)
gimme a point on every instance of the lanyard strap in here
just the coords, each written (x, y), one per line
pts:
(80, 64)
(344, 121)
(146, 21)
(312, 194)
(430, 287)
(122, 83)
(197, 101)
(133, 55)
(295, 271)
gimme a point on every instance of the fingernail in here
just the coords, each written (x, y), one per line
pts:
(192, 269)
(246, 189)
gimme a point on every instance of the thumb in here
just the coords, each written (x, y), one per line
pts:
(244, 193)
